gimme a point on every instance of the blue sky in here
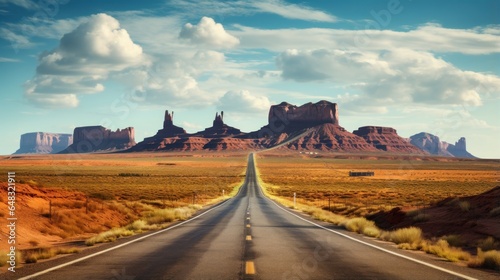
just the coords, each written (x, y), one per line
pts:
(416, 66)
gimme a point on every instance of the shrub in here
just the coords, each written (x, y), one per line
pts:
(363, 226)
(489, 259)
(421, 217)
(487, 244)
(442, 249)
(495, 212)
(464, 206)
(405, 235)
(454, 240)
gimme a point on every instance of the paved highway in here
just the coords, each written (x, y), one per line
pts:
(249, 237)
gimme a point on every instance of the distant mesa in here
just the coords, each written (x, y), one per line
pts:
(293, 118)
(90, 139)
(44, 143)
(387, 139)
(433, 145)
(309, 127)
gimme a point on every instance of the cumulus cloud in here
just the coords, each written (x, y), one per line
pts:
(395, 76)
(83, 60)
(172, 80)
(209, 33)
(243, 101)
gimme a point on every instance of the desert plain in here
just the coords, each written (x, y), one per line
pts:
(65, 203)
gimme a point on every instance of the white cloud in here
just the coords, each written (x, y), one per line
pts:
(27, 4)
(6, 59)
(220, 9)
(293, 11)
(84, 59)
(397, 76)
(208, 32)
(428, 37)
(17, 41)
(243, 101)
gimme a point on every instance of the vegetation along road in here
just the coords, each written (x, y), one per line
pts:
(250, 237)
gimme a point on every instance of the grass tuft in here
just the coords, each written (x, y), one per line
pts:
(411, 235)
(489, 259)
(363, 226)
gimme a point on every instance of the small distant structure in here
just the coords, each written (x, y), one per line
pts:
(361, 173)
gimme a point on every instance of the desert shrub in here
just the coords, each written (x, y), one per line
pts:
(4, 258)
(362, 225)
(404, 235)
(133, 175)
(34, 255)
(108, 236)
(442, 249)
(464, 206)
(421, 217)
(137, 226)
(488, 244)
(495, 212)
(102, 196)
(489, 259)
(454, 240)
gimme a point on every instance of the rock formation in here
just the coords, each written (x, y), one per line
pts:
(459, 149)
(89, 139)
(326, 137)
(44, 143)
(433, 145)
(312, 126)
(387, 139)
(169, 129)
(217, 137)
(291, 118)
(218, 129)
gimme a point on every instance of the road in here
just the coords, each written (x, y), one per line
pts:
(250, 237)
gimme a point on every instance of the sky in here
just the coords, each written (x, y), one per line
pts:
(416, 66)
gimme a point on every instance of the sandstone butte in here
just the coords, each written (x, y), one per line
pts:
(309, 127)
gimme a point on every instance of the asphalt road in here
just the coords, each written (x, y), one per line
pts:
(250, 237)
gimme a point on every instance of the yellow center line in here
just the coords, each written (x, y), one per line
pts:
(248, 225)
(249, 268)
(249, 237)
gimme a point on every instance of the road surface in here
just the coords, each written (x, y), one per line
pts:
(249, 237)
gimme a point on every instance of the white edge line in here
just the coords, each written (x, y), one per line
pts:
(377, 247)
(126, 243)
(368, 244)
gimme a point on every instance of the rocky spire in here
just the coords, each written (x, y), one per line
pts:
(169, 120)
(218, 122)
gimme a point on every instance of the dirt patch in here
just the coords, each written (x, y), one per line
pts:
(47, 216)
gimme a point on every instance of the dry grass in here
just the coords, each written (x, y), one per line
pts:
(34, 255)
(325, 183)
(4, 258)
(132, 177)
(407, 238)
(363, 226)
(489, 259)
(442, 249)
(411, 235)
